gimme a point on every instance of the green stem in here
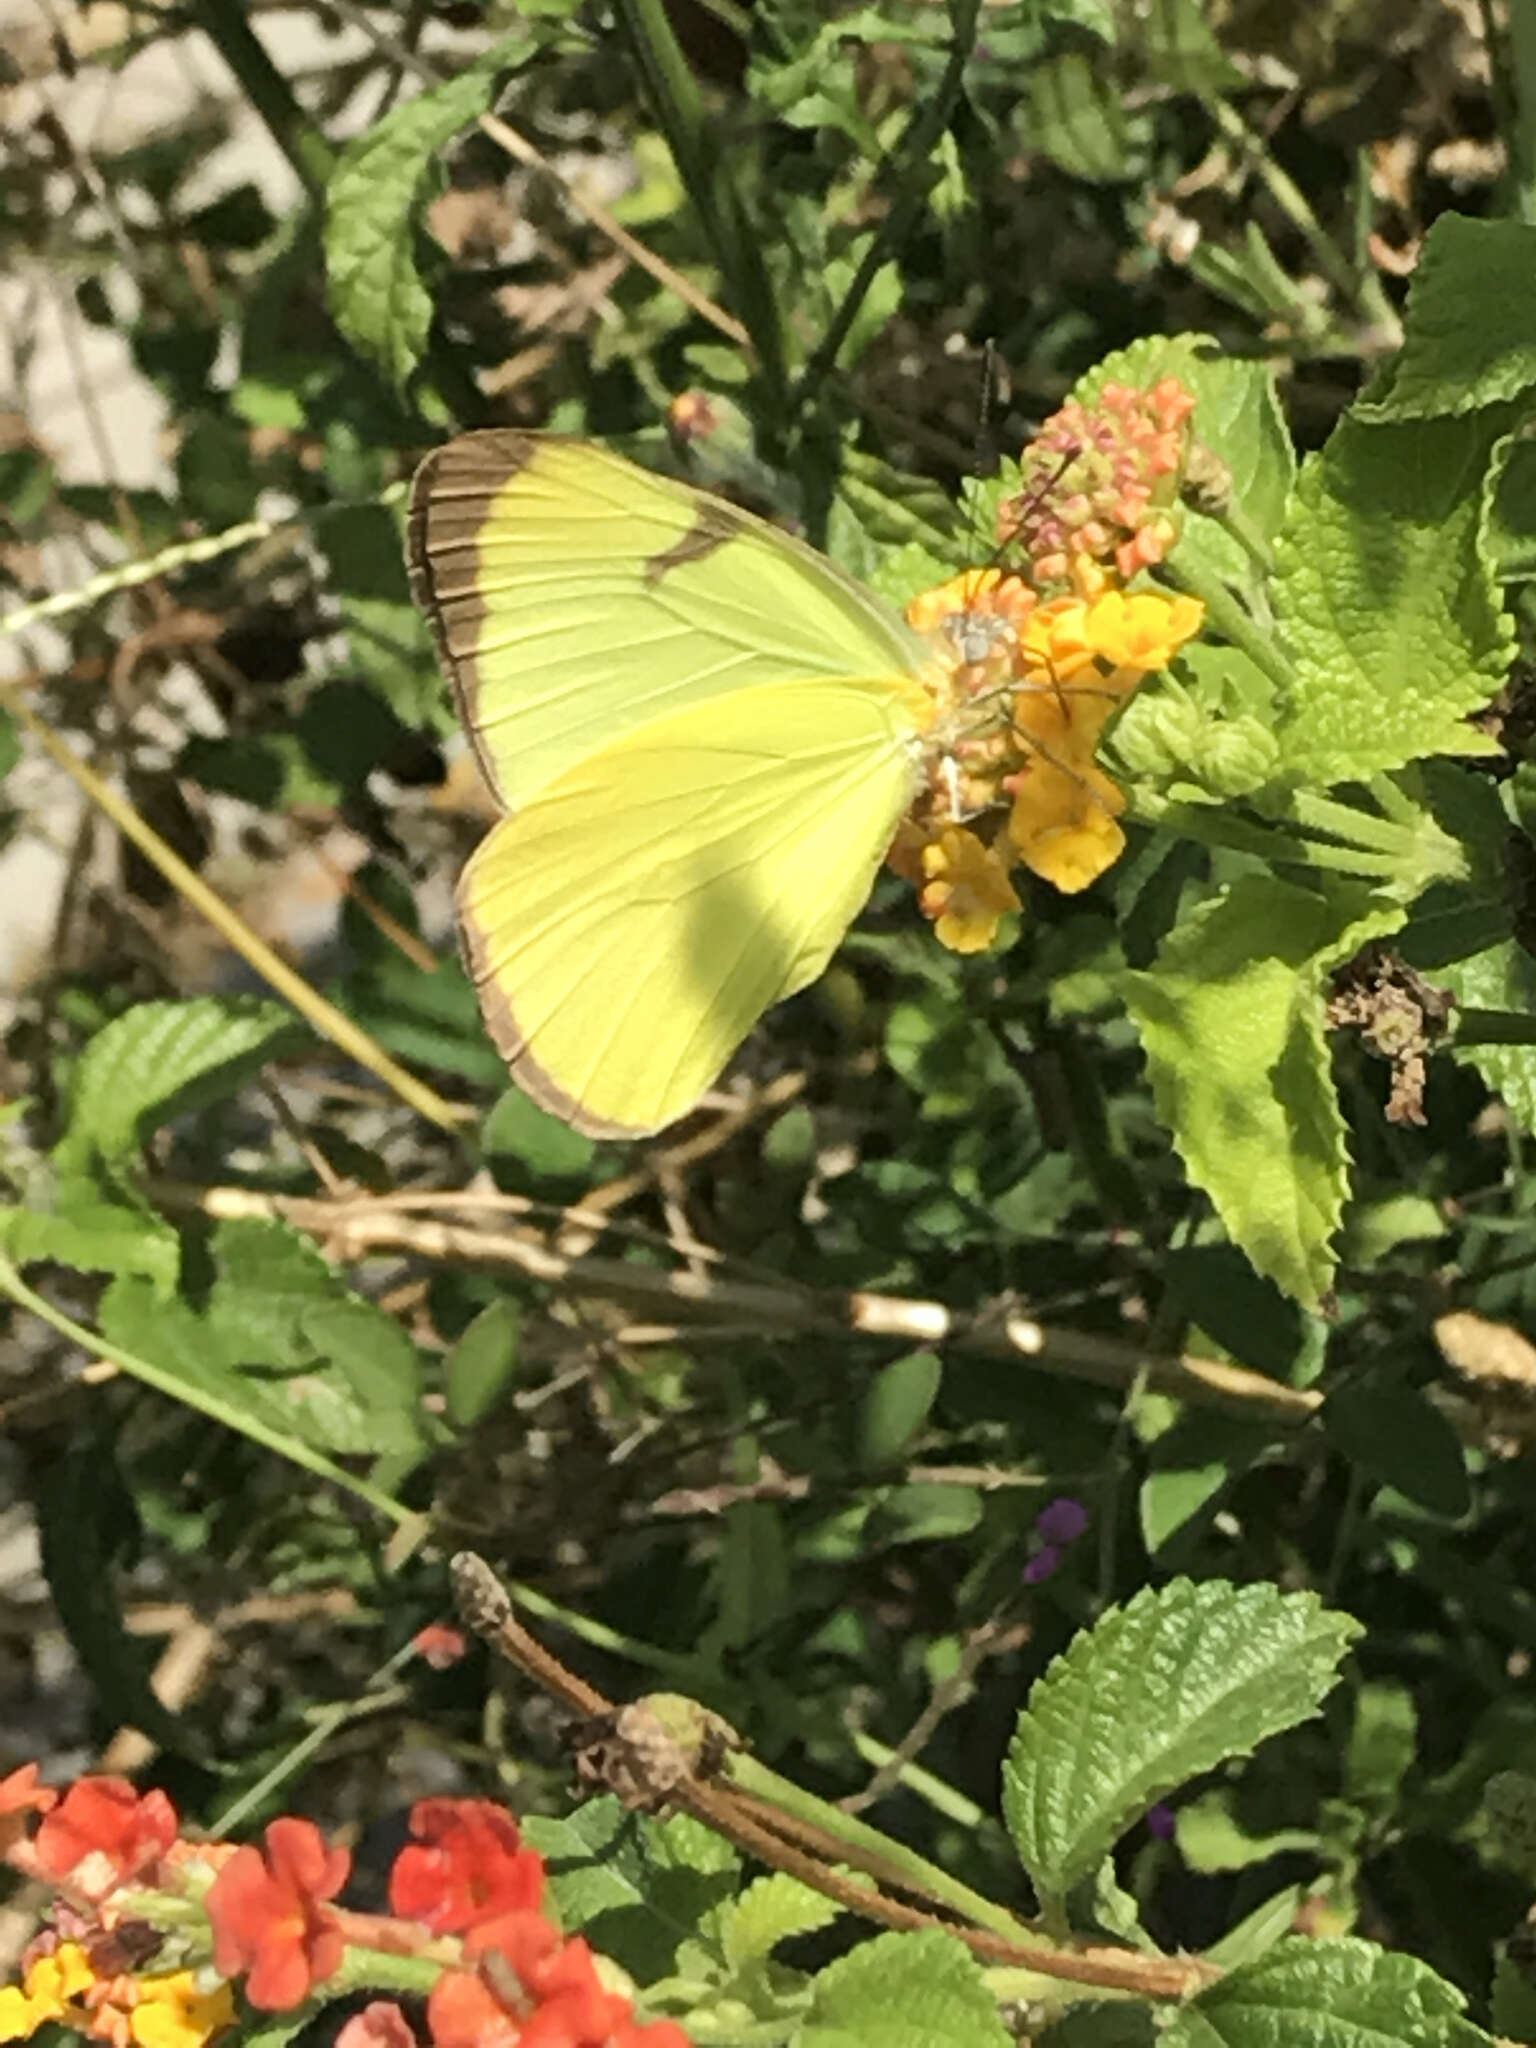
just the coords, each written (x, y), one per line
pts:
(679, 111)
(1344, 1534)
(326, 1723)
(938, 1793)
(1234, 520)
(687, 1674)
(1395, 801)
(1221, 828)
(1232, 621)
(912, 152)
(1494, 1027)
(1345, 821)
(227, 25)
(125, 575)
(1407, 840)
(748, 1775)
(377, 1969)
(1364, 293)
(191, 1396)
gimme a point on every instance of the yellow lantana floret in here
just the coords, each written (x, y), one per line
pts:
(1063, 822)
(966, 890)
(1143, 629)
(45, 1993)
(1055, 645)
(173, 2012)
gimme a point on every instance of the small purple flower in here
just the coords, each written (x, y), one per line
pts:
(1061, 1521)
(1041, 1565)
(1161, 1821)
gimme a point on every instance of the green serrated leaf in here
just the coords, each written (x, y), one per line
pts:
(94, 1234)
(1502, 978)
(771, 1909)
(1509, 1818)
(1249, 1317)
(816, 87)
(1469, 331)
(1511, 521)
(904, 1991)
(1514, 2000)
(1231, 1018)
(638, 1887)
(1156, 1692)
(1181, 48)
(277, 2031)
(1076, 116)
(375, 288)
(596, 1859)
(897, 507)
(281, 1339)
(159, 1060)
(1385, 599)
(1328, 1994)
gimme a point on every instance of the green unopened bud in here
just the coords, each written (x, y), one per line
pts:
(1237, 755)
(1166, 737)
(1157, 733)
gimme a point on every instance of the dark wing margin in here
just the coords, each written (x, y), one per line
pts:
(506, 1034)
(452, 493)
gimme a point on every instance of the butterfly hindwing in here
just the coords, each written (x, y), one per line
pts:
(628, 925)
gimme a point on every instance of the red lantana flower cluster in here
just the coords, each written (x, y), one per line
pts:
(153, 1939)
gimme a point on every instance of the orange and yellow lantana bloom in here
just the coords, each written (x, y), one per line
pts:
(1032, 663)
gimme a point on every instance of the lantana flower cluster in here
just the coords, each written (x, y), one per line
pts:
(156, 1941)
(1035, 658)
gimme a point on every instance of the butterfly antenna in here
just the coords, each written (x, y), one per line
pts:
(983, 449)
(984, 458)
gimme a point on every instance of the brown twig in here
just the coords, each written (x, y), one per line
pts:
(774, 1838)
(990, 1639)
(364, 1225)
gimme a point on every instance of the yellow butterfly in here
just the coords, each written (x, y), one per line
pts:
(704, 735)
